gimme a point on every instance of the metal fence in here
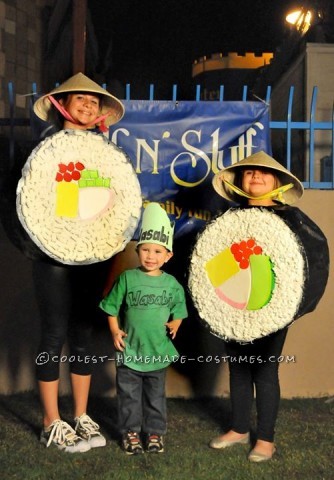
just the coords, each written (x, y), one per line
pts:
(309, 127)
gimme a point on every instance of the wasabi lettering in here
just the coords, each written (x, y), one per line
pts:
(137, 299)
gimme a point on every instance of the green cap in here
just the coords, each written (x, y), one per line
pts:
(156, 227)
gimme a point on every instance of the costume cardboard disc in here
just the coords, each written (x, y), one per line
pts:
(79, 198)
(254, 271)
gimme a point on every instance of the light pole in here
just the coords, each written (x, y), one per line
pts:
(79, 19)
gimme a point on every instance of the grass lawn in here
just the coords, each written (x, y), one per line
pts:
(305, 442)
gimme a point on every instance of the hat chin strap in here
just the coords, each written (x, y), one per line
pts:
(68, 117)
(277, 193)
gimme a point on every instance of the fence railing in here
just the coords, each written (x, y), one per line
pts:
(310, 126)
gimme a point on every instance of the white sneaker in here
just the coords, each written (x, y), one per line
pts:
(89, 431)
(62, 435)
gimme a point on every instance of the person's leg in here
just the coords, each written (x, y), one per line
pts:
(129, 399)
(48, 392)
(154, 402)
(129, 402)
(55, 298)
(86, 283)
(80, 389)
(86, 290)
(241, 397)
(267, 390)
(81, 367)
(241, 387)
(85, 426)
(51, 284)
(154, 410)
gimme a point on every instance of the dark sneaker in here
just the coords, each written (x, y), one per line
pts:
(89, 431)
(132, 444)
(154, 443)
(62, 435)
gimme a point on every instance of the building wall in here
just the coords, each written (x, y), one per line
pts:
(219, 61)
(21, 26)
(314, 67)
(294, 77)
(231, 70)
(309, 341)
(320, 72)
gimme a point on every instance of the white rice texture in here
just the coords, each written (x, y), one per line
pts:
(286, 253)
(75, 241)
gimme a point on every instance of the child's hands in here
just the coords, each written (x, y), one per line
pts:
(118, 336)
(173, 327)
(116, 333)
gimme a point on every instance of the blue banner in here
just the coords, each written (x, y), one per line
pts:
(176, 148)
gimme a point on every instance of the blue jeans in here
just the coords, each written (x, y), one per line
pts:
(141, 400)
(255, 365)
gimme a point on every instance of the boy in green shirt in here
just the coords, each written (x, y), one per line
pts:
(145, 309)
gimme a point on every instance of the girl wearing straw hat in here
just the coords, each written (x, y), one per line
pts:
(81, 103)
(68, 279)
(253, 272)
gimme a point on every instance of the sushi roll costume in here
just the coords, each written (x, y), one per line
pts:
(79, 197)
(261, 267)
(255, 270)
(79, 203)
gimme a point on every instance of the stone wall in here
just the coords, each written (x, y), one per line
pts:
(21, 29)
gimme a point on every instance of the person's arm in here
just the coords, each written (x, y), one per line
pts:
(173, 327)
(116, 333)
(178, 310)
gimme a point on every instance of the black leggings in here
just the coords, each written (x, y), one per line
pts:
(68, 298)
(255, 365)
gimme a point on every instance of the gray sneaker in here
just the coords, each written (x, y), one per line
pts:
(89, 431)
(62, 435)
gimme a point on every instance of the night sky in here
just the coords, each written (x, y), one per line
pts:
(156, 41)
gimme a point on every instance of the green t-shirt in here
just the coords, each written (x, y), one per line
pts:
(144, 303)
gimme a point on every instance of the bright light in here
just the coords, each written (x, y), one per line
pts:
(301, 19)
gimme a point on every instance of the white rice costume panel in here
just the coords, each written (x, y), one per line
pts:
(253, 271)
(79, 198)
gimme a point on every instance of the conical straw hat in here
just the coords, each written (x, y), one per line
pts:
(259, 159)
(81, 83)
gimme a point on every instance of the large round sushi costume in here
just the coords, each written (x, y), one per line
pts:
(79, 197)
(79, 201)
(254, 270)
